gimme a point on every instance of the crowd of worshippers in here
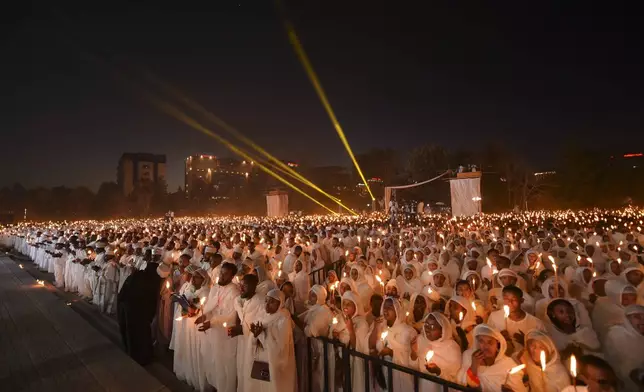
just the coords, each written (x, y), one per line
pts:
(514, 302)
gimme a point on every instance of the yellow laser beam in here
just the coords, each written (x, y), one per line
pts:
(276, 163)
(299, 50)
(181, 116)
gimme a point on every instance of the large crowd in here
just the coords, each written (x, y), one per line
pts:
(539, 301)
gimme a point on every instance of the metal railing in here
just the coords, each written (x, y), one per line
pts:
(329, 345)
(319, 275)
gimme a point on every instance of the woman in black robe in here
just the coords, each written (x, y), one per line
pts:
(137, 304)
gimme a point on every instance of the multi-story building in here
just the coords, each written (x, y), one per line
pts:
(135, 169)
(209, 177)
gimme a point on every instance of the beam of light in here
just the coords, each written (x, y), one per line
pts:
(181, 116)
(299, 50)
(271, 160)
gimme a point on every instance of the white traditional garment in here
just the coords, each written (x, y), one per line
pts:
(108, 286)
(491, 377)
(447, 354)
(69, 272)
(410, 319)
(528, 302)
(609, 311)
(445, 290)
(217, 349)
(624, 348)
(248, 311)
(398, 339)
(126, 269)
(555, 377)
(466, 323)
(640, 287)
(289, 263)
(189, 364)
(584, 336)
(277, 349)
(361, 330)
(450, 266)
(540, 309)
(528, 323)
(364, 289)
(301, 283)
(59, 268)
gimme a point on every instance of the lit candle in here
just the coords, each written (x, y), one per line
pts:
(514, 370)
(428, 356)
(167, 285)
(573, 370)
(335, 321)
(225, 325)
(506, 314)
(474, 306)
(460, 316)
(542, 358)
(383, 337)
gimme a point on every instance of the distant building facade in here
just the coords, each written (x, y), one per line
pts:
(137, 168)
(209, 177)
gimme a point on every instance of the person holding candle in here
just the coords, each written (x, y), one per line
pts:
(316, 320)
(486, 366)
(609, 310)
(463, 319)
(363, 288)
(419, 306)
(273, 344)
(548, 291)
(545, 371)
(593, 375)
(396, 345)
(217, 348)
(445, 360)
(517, 323)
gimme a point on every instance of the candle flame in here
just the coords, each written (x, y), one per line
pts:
(429, 290)
(474, 306)
(460, 316)
(225, 325)
(573, 366)
(20, 265)
(429, 355)
(552, 259)
(202, 301)
(335, 320)
(383, 335)
(178, 319)
(167, 285)
(542, 357)
(517, 369)
(506, 311)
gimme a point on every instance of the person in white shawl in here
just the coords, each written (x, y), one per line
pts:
(624, 348)
(548, 291)
(364, 289)
(462, 316)
(609, 310)
(395, 343)
(316, 320)
(486, 366)
(249, 307)
(554, 377)
(189, 365)
(569, 336)
(273, 344)
(436, 336)
(635, 276)
(300, 279)
(217, 348)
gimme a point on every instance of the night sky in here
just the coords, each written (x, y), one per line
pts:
(531, 75)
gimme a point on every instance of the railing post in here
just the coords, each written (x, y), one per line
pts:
(367, 364)
(326, 366)
(346, 365)
(390, 378)
(309, 365)
(416, 382)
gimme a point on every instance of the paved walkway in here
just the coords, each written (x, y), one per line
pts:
(47, 346)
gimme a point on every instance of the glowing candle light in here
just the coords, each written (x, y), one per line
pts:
(573, 370)
(542, 358)
(429, 355)
(474, 306)
(506, 314)
(383, 337)
(514, 370)
(335, 320)
(460, 316)
(225, 325)
(167, 285)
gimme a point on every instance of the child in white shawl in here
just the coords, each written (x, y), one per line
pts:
(395, 345)
(555, 376)
(486, 366)
(436, 336)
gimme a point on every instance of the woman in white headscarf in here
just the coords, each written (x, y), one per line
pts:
(441, 283)
(355, 335)
(364, 289)
(635, 276)
(300, 279)
(274, 345)
(476, 284)
(463, 319)
(419, 306)
(436, 336)
(624, 347)
(450, 266)
(609, 310)
(555, 376)
(408, 282)
(395, 345)
(316, 322)
(428, 273)
(569, 336)
(486, 366)
(548, 291)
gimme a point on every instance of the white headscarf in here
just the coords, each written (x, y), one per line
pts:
(624, 346)
(556, 376)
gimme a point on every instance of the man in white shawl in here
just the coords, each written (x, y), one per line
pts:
(624, 348)
(435, 351)
(546, 372)
(273, 345)
(219, 351)
(249, 307)
(486, 366)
